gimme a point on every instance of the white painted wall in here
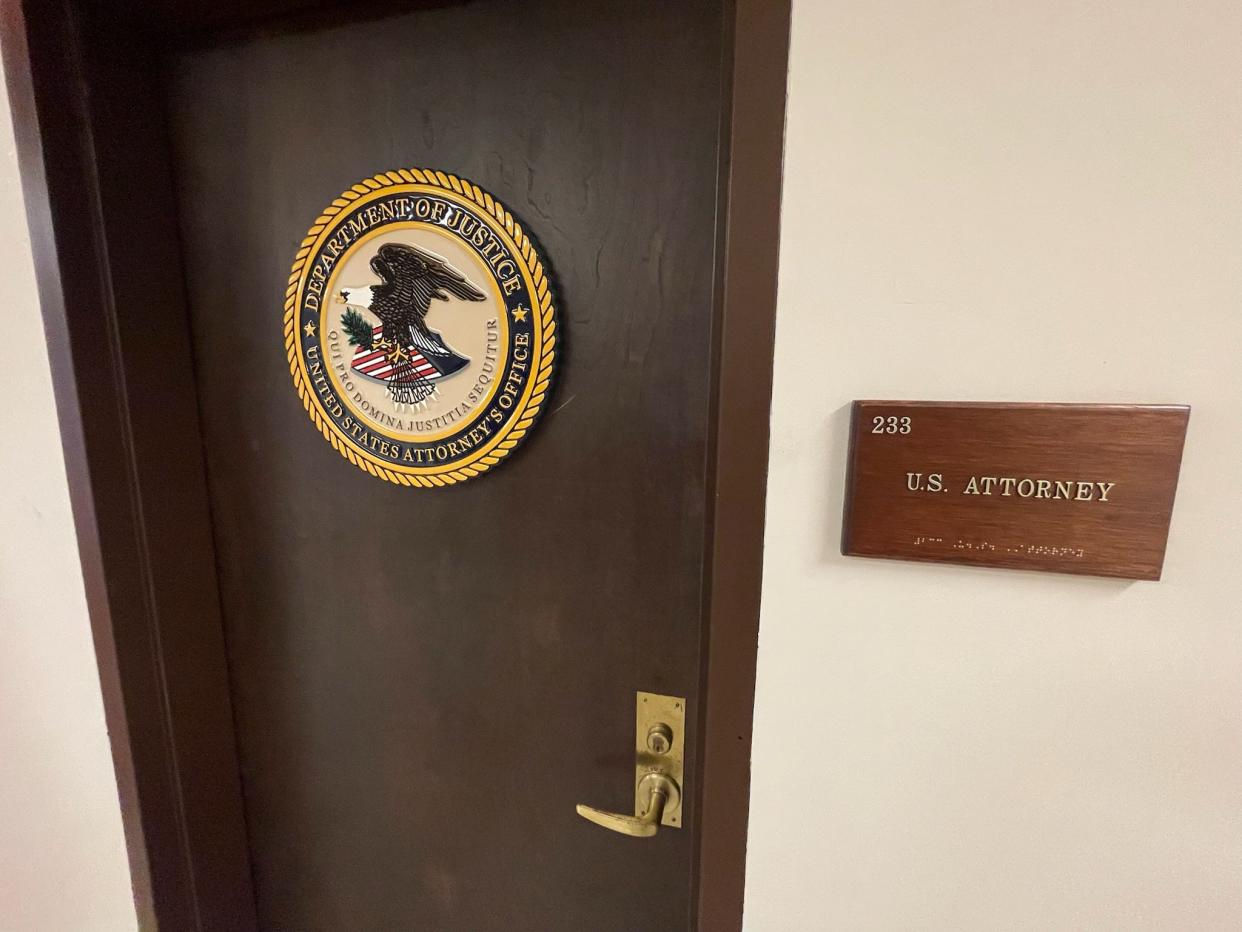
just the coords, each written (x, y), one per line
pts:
(1035, 201)
(62, 854)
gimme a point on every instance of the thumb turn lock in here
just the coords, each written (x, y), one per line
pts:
(659, 759)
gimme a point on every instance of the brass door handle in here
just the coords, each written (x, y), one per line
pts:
(659, 769)
(657, 790)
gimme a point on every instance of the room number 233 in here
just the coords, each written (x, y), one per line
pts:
(890, 425)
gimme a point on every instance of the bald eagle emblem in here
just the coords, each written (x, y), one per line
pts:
(401, 350)
(420, 328)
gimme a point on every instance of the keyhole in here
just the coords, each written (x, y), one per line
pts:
(659, 738)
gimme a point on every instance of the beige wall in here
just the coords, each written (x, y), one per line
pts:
(1033, 201)
(62, 855)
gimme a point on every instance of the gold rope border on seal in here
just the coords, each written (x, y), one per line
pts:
(521, 421)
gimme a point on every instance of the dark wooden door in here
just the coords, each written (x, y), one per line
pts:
(424, 683)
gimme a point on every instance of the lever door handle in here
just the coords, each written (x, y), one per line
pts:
(657, 790)
(659, 769)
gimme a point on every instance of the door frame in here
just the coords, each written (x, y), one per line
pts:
(101, 211)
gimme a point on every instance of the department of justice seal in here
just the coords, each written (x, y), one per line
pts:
(420, 328)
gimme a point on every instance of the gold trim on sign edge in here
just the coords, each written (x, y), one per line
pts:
(510, 434)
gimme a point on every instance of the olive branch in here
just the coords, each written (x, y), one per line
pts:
(359, 331)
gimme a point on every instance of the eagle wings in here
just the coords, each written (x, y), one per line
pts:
(412, 278)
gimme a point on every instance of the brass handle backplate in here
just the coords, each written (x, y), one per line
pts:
(659, 762)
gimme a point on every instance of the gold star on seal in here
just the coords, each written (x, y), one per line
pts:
(309, 328)
(519, 314)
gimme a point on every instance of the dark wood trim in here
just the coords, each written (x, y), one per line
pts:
(750, 245)
(107, 262)
(82, 91)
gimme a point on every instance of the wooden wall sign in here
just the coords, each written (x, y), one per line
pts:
(1064, 488)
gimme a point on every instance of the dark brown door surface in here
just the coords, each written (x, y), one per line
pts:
(339, 704)
(425, 682)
